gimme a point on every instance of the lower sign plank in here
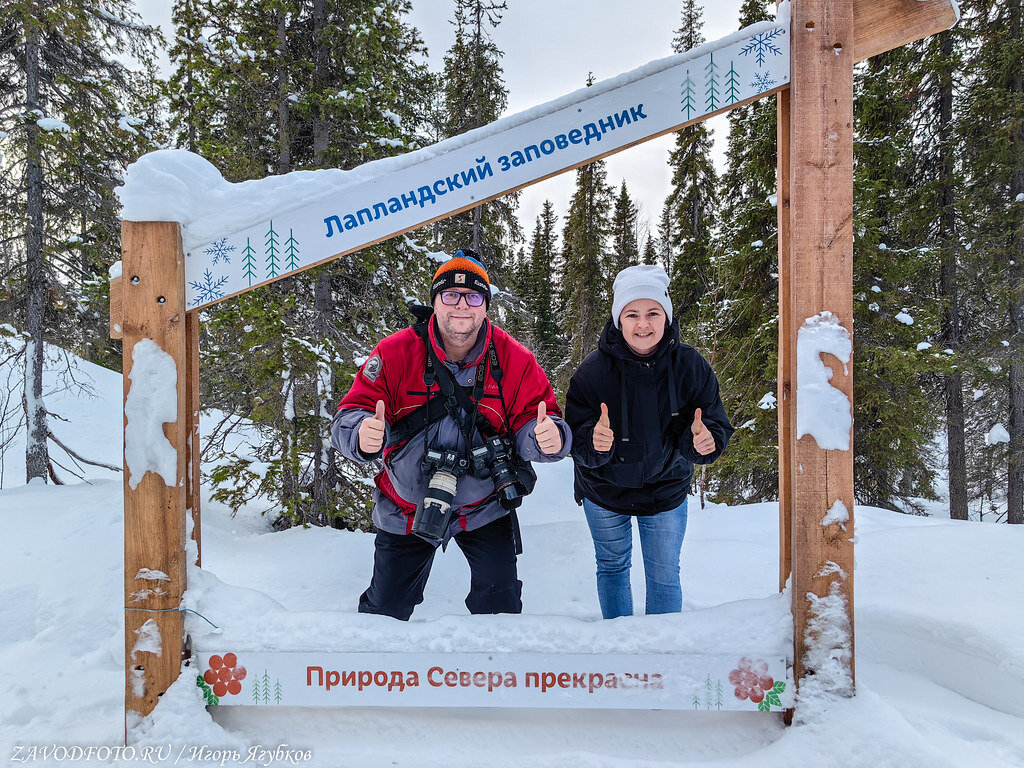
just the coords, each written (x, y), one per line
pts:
(754, 682)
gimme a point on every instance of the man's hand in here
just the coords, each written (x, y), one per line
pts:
(603, 435)
(703, 440)
(371, 431)
(549, 436)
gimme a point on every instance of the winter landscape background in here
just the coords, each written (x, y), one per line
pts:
(939, 633)
(271, 87)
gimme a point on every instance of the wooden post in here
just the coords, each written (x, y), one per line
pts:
(787, 338)
(193, 475)
(154, 513)
(821, 237)
(116, 308)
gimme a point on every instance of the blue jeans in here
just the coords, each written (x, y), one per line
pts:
(661, 539)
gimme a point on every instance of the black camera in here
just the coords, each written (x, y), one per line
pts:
(445, 468)
(492, 459)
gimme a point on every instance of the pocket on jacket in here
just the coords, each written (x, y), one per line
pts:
(627, 465)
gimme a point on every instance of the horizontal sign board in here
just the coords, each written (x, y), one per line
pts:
(584, 681)
(509, 154)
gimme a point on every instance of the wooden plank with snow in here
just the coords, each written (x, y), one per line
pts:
(701, 682)
(821, 315)
(155, 439)
(787, 361)
(193, 474)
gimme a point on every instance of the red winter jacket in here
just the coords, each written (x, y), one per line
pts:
(394, 373)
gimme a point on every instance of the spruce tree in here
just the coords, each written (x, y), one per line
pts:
(543, 269)
(625, 248)
(72, 116)
(693, 198)
(475, 95)
(585, 300)
(935, 210)
(992, 130)
(289, 85)
(893, 307)
(745, 310)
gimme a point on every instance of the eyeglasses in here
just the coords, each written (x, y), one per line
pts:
(452, 298)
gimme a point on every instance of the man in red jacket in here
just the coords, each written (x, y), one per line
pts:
(456, 409)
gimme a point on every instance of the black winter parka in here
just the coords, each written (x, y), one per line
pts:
(651, 403)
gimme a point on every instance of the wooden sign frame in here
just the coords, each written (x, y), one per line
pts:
(815, 209)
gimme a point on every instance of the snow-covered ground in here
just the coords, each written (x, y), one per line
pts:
(939, 634)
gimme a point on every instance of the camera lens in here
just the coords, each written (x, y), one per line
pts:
(431, 519)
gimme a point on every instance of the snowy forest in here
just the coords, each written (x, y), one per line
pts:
(266, 87)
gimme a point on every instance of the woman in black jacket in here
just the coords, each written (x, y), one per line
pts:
(644, 408)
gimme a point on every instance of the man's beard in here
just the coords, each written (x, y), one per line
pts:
(459, 338)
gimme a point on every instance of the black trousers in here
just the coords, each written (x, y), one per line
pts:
(401, 565)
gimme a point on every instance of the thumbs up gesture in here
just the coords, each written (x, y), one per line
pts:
(603, 436)
(703, 440)
(371, 430)
(549, 437)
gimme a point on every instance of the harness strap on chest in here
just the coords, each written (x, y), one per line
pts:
(459, 402)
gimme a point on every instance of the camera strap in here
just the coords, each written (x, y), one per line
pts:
(453, 398)
(461, 407)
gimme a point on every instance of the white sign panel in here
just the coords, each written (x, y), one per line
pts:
(588, 681)
(535, 145)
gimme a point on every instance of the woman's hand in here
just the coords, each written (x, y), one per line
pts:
(603, 436)
(703, 440)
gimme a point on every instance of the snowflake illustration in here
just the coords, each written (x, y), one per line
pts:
(208, 290)
(220, 250)
(761, 45)
(763, 81)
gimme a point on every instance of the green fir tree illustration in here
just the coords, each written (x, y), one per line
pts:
(708, 688)
(256, 690)
(291, 249)
(732, 84)
(278, 694)
(272, 252)
(249, 262)
(266, 687)
(688, 105)
(696, 702)
(718, 695)
(711, 72)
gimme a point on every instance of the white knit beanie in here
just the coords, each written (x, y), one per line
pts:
(644, 281)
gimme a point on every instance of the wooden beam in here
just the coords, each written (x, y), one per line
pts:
(787, 335)
(116, 307)
(154, 512)
(881, 25)
(194, 475)
(821, 237)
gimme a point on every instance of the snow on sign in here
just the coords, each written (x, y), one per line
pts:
(576, 681)
(381, 199)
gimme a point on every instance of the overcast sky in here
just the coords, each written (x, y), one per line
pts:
(549, 48)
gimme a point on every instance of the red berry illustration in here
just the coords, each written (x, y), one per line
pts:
(230, 659)
(239, 673)
(234, 687)
(224, 674)
(220, 689)
(751, 680)
(210, 676)
(216, 662)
